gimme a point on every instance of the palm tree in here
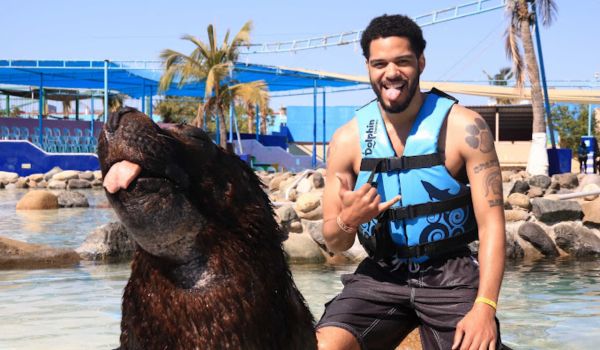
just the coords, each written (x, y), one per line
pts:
(501, 79)
(519, 32)
(212, 64)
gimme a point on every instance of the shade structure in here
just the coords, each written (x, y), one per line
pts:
(138, 79)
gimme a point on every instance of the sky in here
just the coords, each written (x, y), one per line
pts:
(458, 50)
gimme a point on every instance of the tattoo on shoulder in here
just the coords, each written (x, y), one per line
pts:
(479, 136)
(483, 166)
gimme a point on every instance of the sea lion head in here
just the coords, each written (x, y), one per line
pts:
(186, 190)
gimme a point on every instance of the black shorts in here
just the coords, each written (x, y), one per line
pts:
(380, 306)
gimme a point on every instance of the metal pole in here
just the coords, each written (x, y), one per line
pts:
(543, 73)
(314, 148)
(257, 122)
(105, 91)
(590, 119)
(41, 109)
(143, 96)
(77, 107)
(324, 134)
(218, 128)
(92, 115)
(8, 105)
(231, 122)
(150, 109)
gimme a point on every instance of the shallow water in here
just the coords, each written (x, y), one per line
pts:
(543, 304)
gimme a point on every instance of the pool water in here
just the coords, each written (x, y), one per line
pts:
(543, 305)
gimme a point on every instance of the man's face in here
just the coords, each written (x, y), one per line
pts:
(394, 72)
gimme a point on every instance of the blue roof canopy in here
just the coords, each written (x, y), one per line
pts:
(140, 78)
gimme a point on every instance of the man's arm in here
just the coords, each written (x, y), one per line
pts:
(476, 146)
(344, 209)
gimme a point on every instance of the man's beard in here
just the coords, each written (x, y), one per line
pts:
(412, 89)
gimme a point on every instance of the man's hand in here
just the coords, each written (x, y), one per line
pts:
(362, 205)
(120, 176)
(477, 330)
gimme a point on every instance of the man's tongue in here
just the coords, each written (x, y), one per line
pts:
(392, 93)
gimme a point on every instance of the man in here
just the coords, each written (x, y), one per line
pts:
(397, 176)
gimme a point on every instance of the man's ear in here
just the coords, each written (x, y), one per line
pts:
(421, 63)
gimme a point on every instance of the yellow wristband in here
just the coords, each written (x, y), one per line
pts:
(486, 301)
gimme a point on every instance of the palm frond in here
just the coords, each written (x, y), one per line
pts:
(547, 10)
(200, 46)
(513, 52)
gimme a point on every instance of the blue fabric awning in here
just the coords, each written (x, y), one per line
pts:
(138, 79)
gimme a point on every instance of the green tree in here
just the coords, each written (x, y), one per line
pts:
(518, 34)
(501, 79)
(212, 64)
(571, 124)
(175, 109)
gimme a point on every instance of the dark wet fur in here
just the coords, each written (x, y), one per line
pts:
(224, 283)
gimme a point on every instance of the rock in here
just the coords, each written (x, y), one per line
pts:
(52, 172)
(109, 242)
(1, 185)
(11, 186)
(549, 211)
(66, 175)
(42, 184)
(8, 177)
(506, 174)
(21, 255)
(541, 181)
(516, 247)
(72, 199)
(286, 213)
(57, 185)
(305, 185)
(38, 200)
(308, 201)
(32, 184)
(411, 342)
(300, 248)
(315, 214)
(292, 195)
(98, 175)
(591, 213)
(295, 226)
(318, 180)
(78, 184)
(536, 235)
(97, 183)
(21, 183)
(568, 180)
(516, 215)
(520, 187)
(591, 187)
(36, 177)
(519, 200)
(577, 241)
(87, 175)
(589, 179)
(277, 179)
(535, 192)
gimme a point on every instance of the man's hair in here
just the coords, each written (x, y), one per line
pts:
(393, 25)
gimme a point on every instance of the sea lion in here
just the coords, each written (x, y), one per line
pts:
(209, 271)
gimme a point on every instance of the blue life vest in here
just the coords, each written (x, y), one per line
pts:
(435, 214)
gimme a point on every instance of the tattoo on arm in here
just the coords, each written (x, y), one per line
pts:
(479, 136)
(493, 187)
(483, 166)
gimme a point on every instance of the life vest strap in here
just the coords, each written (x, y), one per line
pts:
(402, 163)
(428, 208)
(437, 248)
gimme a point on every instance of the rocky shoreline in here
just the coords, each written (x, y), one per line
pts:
(538, 223)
